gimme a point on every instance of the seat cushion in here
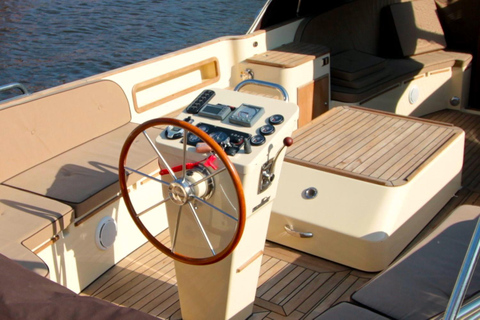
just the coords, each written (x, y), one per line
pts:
(40, 129)
(26, 295)
(87, 176)
(419, 285)
(346, 311)
(364, 82)
(399, 70)
(417, 27)
(352, 64)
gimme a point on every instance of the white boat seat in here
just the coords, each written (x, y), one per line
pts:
(419, 285)
(86, 177)
(26, 295)
(67, 144)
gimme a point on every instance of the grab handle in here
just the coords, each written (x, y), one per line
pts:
(265, 84)
(14, 85)
(298, 234)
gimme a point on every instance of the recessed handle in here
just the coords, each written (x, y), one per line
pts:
(297, 234)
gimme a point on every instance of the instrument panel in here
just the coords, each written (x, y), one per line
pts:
(245, 115)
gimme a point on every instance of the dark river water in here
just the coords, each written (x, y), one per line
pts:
(45, 43)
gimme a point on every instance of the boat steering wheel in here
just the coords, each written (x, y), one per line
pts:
(192, 184)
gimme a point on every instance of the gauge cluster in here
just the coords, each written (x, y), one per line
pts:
(219, 134)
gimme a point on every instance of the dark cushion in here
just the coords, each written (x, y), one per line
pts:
(364, 82)
(401, 70)
(417, 27)
(352, 64)
(345, 311)
(419, 285)
(26, 295)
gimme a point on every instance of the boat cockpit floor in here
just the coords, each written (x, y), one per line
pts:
(292, 285)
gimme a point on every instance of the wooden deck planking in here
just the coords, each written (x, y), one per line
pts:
(289, 55)
(341, 157)
(286, 288)
(425, 148)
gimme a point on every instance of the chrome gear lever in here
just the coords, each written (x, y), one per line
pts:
(267, 174)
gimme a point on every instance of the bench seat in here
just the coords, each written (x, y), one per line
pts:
(377, 180)
(392, 42)
(395, 73)
(60, 163)
(86, 177)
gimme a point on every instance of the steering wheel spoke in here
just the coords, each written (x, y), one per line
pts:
(175, 233)
(131, 170)
(186, 184)
(216, 208)
(160, 156)
(202, 229)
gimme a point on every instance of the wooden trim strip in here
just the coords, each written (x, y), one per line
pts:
(439, 71)
(250, 261)
(46, 244)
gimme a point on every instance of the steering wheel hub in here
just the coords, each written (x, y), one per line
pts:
(179, 192)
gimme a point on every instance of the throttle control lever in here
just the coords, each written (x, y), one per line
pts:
(267, 174)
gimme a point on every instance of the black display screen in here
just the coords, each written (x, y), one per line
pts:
(212, 109)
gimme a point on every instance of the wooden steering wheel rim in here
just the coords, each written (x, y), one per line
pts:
(228, 165)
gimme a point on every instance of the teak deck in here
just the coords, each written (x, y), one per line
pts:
(292, 285)
(290, 55)
(369, 145)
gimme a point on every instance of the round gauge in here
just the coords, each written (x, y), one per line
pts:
(276, 119)
(257, 140)
(192, 139)
(203, 127)
(219, 136)
(267, 129)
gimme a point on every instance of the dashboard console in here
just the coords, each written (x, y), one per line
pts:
(254, 131)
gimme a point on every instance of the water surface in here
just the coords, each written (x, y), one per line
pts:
(45, 43)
